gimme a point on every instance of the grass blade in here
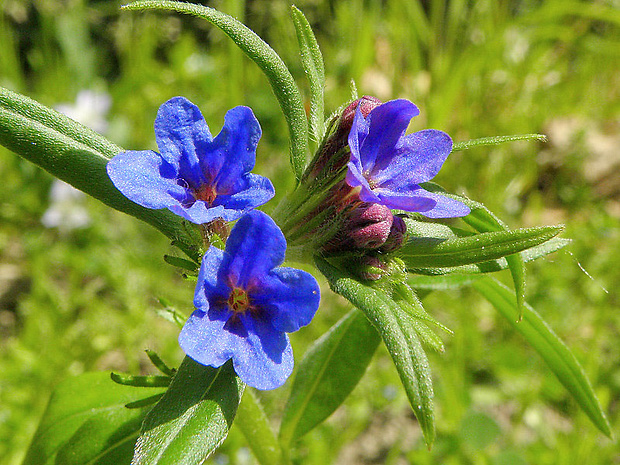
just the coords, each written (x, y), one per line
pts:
(549, 346)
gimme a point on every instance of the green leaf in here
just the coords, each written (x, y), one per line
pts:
(159, 363)
(430, 252)
(482, 219)
(490, 266)
(141, 381)
(496, 140)
(86, 418)
(327, 374)
(312, 61)
(400, 337)
(193, 418)
(254, 425)
(108, 438)
(280, 78)
(78, 156)
(549, 346)
(182, 263)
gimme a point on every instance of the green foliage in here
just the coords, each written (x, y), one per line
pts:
(327, 374)
(200, 403)
(86, 421)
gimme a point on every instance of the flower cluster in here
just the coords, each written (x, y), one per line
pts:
(245, 302)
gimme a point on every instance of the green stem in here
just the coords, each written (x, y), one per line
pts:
(254, 425)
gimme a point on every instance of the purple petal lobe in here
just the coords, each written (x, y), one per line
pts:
(264, 359)
(417, 158)
(182, 136)
(145, 178)
(255, 246)
(250, 191)
(211, 282)
(445, 207)
(290, 296)
(387, 124)
(407, 202)
(206, 341)
(233, 151)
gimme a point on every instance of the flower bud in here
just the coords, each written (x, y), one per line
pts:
(332, 155)
(371, 268)
(367, 227)
(370, 226)
(396, 237)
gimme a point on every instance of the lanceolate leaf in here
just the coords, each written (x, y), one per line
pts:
(312, 61)
(483, 220)
(254, 425)
(549, 346)
(400, 337)
(497, 140)
(489, 266)
(265, 57)
(86, 419)
(193, 418)
(422, 252)
(78, 156)
(327, 374)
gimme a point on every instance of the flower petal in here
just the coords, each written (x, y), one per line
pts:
(182, 136)
(418, 158)
(251, 190)
(255, 246)
(264, 359)
(145, 178)
(387, 124)
(407, 201)
(357, 134)
(290, 296)
(445, 207)
(210, 285)
(233, 151)
(206, 340)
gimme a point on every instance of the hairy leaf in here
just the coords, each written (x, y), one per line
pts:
(327, 374)
(193, 418)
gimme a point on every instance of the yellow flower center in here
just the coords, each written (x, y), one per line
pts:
(238, 300)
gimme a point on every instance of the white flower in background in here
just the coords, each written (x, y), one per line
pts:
(66, 210)
(90, 109)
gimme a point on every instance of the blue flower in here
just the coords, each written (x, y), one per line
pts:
(245, 305)
(388, 165)
(196, 176)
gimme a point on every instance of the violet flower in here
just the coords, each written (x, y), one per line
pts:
(388, 165)
(245, 305)
(196, 176)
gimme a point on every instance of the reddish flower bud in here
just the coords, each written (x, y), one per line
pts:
(332, 156)
(396, 236)
(367, 227)
(366, 104)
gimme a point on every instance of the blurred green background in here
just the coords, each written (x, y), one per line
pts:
(82, 293)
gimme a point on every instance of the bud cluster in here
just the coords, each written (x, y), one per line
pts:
(326, 215)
